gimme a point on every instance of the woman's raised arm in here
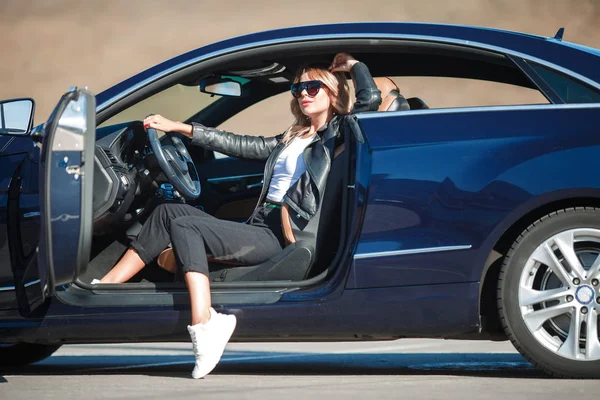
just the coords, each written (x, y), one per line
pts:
(368, 97)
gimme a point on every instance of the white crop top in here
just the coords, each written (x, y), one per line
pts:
(288, 168)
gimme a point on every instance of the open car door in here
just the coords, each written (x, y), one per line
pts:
(66, 190)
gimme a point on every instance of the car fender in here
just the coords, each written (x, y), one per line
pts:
(506, 232)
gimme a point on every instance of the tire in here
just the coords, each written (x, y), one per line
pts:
(548, 291)
(18, 354)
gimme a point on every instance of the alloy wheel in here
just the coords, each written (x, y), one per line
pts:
(559, 294)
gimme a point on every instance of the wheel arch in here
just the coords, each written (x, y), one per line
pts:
(498, 244)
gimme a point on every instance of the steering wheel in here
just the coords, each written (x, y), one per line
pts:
(176, 164)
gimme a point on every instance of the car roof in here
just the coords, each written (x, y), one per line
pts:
(579, 59)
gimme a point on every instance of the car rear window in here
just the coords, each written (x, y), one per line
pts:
(569, 89)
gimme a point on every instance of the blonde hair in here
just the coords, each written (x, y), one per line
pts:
(339, 95)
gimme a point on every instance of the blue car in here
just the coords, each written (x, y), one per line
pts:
(470, 221)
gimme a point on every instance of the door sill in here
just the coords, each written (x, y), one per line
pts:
(180, 286)
(135, 295)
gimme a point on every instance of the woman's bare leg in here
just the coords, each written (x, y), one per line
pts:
(199, 288)
(129, 265)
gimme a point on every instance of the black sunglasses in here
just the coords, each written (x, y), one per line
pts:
(312, 88)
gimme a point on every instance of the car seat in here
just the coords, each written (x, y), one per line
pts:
(316, 245)
(391, 99)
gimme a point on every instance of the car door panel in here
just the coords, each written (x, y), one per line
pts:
(442, 180)
(66, 190)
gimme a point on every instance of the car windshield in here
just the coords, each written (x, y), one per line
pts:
(178, 102)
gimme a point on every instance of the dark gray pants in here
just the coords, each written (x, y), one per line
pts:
(195, 234)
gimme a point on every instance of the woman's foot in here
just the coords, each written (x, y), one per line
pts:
(209, 340)
(95, 281)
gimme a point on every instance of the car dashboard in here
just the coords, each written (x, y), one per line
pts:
(118, 171)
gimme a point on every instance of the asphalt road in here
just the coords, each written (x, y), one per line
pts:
(404, 369)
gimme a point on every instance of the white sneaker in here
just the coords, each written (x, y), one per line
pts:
(95, 281)
(209, 340)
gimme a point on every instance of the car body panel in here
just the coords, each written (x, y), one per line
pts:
(7, 163)
(20, 197)
(444, 310)
(443, 180)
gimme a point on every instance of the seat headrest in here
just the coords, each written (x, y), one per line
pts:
(391, 99)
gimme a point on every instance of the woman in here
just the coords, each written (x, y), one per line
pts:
(321, 99)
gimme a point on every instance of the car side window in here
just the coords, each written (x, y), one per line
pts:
(569, 90)
(269, 117)
(445, 92)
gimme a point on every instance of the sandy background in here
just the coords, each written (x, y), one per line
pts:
(46, 46)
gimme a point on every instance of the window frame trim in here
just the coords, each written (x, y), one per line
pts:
(449, 110)
(537, 80)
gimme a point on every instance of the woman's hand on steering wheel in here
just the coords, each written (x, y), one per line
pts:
(161, 123)
(172, 155)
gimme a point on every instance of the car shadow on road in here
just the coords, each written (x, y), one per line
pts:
(501, 365)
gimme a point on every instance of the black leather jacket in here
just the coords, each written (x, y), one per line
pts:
(303, 196)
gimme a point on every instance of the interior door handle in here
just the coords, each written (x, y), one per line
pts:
(255, 185)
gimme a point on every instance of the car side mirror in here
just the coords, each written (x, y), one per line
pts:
(16, 116)
(221, 87)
